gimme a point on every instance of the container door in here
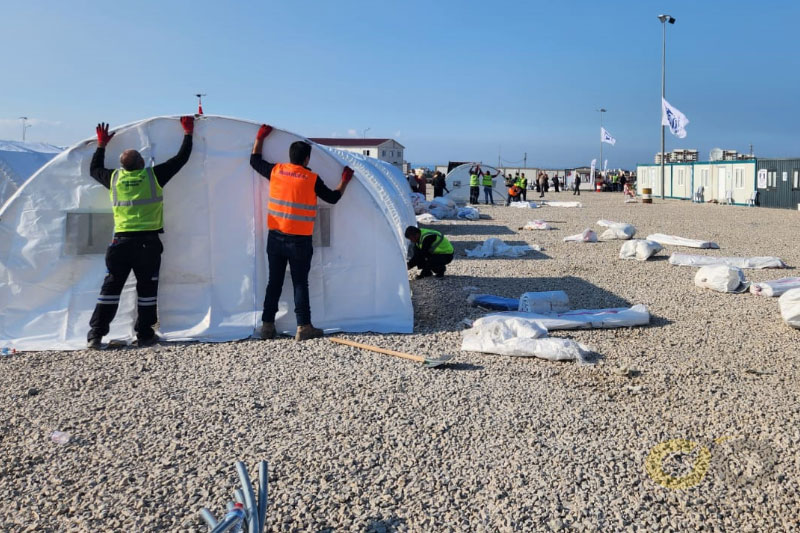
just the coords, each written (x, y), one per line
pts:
(722, 186)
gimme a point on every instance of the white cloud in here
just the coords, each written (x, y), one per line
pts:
(352, 132)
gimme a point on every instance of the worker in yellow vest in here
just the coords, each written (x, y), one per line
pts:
(474, 184)
(522, 183)
(291, 213)
(487, 180)
(430, 253)
(138, 207)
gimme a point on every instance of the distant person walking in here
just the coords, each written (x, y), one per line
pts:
(555, 184)
(439, 185)
(542, 183)
(576, 185)
(422, 185)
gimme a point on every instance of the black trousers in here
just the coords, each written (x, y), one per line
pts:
(296, 251)
(428, 263)
(577, 189)
(142, 254)
(474, 194)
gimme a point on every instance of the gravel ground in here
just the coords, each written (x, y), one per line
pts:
(360, 441)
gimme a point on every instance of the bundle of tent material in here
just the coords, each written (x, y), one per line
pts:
(587, 235)
(721, 278)
(494, 247)
(54, 233)
(639, 249)
(776, 287)
(738, 262)
(672, 240)
(616, 230)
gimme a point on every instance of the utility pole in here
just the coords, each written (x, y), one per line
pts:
(525, 160)
(364, 134)
(25, 126)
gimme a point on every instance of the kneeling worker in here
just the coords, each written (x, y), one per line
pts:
(431, 251)
(292, 209)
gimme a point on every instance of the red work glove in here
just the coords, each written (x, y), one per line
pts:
(102, 134)
(347, 174)
(188, 125)
(263, 131)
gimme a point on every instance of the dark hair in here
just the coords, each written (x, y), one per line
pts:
(412, 230)
(299, 151)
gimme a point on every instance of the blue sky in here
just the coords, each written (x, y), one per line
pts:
(450, 80)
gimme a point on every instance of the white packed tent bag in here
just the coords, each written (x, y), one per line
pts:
(457, 182)
(494, 247)
(524, 205)
(616, 230)
(554, 203)
(617, 317)
(521, 337)
(537, 225)
(639, 249)
(419, 203)
(55, 229)
(586, 235)
(544, 302)
(721, 278)
(673, 240)
(776, 287)
(442, 208)
(789, 304)
(468, 213)
(738, 262)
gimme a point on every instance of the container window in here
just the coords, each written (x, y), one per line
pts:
(772, 179)
(796, 179)
(88, 233)
(738, 178)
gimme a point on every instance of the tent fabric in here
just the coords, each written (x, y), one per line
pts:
(19, 161)
(53, 235)
(457, 182)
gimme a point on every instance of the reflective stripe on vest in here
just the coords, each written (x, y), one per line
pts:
(487, 180)
(473, 180)
(439, 246)
(292, 207)
(136, 200)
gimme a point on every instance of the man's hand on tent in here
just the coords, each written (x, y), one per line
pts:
(188, 124)
(347, 174)
(263, 131)
(102, 135)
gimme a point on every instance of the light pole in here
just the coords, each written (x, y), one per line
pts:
(25, 126)
(664, 19)
(601, 111)
(364, 134)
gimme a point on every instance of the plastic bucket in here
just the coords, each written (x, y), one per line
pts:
(647, 195)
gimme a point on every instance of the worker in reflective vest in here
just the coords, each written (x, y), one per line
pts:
(138, 207)
(291, 212)
(474, 184)
(488, 185)
(430, 253)
(523, 185)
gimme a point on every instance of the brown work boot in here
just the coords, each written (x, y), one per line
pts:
(307, 331)
(267, 330)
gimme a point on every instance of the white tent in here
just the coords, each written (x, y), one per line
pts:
(54, 231)
(457, 182)
(19, 161)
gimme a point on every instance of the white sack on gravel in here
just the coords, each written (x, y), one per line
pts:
(619, 317)
(544, 302)
(640, 249)
(738, 262)
(468, 213)
(561, 204)
(790, 307)
(426, 218)
(525, 205)
(442, 208)
(774, 288)
(419, 203)
(520, 337)
(616, 230)
(662, 239)
(721, 278)
(586, 236)
(537, 224)
(494, 247)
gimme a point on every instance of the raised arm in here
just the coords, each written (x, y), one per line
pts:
(97, 168)
(256, 161)
(333, 196)
(167, 170)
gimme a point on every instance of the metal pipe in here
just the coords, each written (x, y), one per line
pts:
(249, 498)
(262, 494)
(209, 518)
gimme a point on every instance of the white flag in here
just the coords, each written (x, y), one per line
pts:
(605, 165)
(591, 174)
(606, 137)
(677, 121)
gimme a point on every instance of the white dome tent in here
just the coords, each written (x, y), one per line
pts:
(54, 231)
(457, 182)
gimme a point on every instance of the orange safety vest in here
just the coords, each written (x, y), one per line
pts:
(514, 191)
(292, 204)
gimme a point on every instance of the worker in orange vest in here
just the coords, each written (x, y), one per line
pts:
(291, 212)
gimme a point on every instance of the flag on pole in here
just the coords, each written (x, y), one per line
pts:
(591, 175)
(677, 121)
(606, 137)
(605, 165)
